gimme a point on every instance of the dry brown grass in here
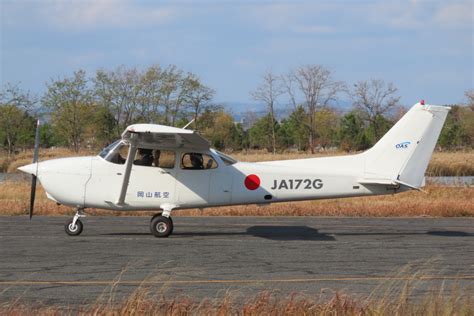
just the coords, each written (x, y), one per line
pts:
(396, 298)
(438, 201)
(442, 163)
(26, 157)
(452, 163)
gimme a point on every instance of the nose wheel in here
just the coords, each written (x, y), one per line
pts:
(73, 229)
(74, 226)
(161, 226)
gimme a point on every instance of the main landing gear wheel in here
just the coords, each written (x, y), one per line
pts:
(161, 226)
(73, 230)
(169, 217)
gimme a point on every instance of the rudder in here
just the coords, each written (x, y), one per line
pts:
(403, 153)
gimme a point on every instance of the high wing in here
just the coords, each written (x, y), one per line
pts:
(154, 135)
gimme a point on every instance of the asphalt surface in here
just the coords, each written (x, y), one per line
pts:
(238, 256)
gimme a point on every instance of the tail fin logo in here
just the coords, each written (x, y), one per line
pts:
(402, 145)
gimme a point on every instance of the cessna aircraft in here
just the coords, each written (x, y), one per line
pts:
(156, 167)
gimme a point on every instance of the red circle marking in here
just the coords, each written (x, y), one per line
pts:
(252, 182)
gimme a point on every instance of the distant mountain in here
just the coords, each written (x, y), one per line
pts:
(240, 110)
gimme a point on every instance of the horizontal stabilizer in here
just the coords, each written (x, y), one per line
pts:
(409, 185)
(388, 182)
(377, 181)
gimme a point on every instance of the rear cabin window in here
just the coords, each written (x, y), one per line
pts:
(155, 158)
(197, 161)
(166, 159)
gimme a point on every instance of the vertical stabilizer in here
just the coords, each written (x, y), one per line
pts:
(404, 152)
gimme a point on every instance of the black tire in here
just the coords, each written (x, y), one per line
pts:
(73, 231)
(154, 216)
(161, 226)
(159, 214)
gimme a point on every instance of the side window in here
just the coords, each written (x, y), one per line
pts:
(144, 157)
(164, 159)
(196, 161)
(155, 158)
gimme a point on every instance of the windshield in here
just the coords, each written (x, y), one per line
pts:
(116, 152)
(226, 159)
(107, 149)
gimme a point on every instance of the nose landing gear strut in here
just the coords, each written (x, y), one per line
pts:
(74, 226)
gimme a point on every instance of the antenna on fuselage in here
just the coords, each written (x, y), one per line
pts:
(190, 122)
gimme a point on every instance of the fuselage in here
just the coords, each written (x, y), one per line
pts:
(94, 182)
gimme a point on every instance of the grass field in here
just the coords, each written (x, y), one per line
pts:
(392, 297)
(142, 302)
(437, 201)
(442, 163)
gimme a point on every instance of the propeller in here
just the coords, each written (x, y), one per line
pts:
(33, 177)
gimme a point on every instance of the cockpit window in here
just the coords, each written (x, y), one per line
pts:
(226, 159)
(107, 149)
(116, 152)
(144, 157)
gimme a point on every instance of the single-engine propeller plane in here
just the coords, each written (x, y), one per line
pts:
(156, 167)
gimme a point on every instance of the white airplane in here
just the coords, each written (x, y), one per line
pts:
(156, 167)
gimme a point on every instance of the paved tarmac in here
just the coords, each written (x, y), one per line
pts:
(240, 256)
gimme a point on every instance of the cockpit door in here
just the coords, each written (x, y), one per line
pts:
(151, 186)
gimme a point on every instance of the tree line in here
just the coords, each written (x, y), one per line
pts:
(81, 111)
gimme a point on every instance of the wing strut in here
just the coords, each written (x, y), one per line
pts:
(128, 169)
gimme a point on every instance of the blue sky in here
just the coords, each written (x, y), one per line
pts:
(426, 48)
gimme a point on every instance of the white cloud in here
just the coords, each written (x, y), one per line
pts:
(314, 17)
(80, 60)
(460, 14)
(418, 14)
(297, 17)
(274, 16)
(92, 14)
(312, 29)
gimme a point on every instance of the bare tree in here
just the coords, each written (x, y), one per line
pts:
(268, 92)
(198, 96)
(70, 102)
(470, 98)
(317, 87)
(150, 97)
(172, 79)
(288, 84)
(119, 92)
(181, 95)
(375, 98)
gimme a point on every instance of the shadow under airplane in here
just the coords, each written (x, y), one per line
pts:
(288, 233)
